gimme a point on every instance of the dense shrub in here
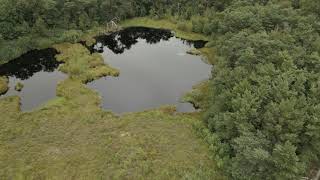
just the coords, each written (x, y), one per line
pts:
(182, 26)
(264, 113)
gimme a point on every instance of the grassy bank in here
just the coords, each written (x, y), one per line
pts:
(209, 54)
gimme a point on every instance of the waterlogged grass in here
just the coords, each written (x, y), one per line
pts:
(19, 86)
(184, 33)
(209, 54)
(80, 64)
(194, 52)
(71, 137)
(3, 85)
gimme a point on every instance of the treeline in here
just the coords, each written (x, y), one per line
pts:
(30, 24)
(264, 119)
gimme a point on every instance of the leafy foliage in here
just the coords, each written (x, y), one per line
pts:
(264, 100)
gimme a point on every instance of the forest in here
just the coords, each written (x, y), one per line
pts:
(263, 115)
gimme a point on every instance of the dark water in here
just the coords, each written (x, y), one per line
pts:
(37, 70)
(154, 70)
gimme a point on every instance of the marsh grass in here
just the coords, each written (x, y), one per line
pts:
(19, 86)
(194, 52)
(4, 85)
(79, 64)
(209, 54)
(63, 141)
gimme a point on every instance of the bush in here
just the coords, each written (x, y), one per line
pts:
(71, 36)
(198, 24)
(208, 28)
(182, 26)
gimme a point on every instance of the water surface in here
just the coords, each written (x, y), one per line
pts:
(37, 71)
(154, 70)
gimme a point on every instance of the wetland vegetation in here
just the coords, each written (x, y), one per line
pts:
(259, 112)
(71, 136)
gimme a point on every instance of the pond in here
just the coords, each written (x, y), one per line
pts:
(155, 70)
(37, 71)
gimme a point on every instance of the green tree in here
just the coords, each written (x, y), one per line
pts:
(40, 27)
(84, 21)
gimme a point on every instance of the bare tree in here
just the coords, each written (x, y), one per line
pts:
(113, 23)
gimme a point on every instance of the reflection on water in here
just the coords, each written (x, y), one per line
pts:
(28, 64)
(123, 40)
(37, 70)
(154, 70)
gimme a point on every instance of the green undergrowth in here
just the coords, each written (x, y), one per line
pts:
(71, 137)
(184, 32)
(3, 85)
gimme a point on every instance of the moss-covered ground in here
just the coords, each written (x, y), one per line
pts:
(72, 137)
(3, 85)
(65, 141)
